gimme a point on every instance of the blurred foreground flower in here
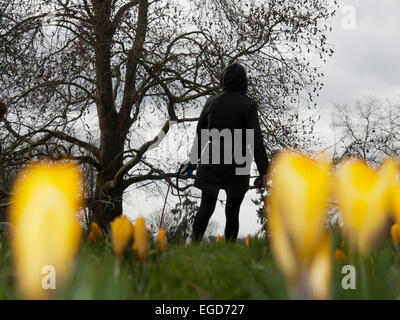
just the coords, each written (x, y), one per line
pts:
(298, 203)
(96, 230)
(121, 232)
(140, 239)
(395, 232)
(340, 256)
(364, 199)
(391, 170)
(319, 276)
(218, 239)
(45, 199)
(162, 240)
(95, 233)
(247, 241)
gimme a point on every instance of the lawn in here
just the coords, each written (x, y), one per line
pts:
(203, 271)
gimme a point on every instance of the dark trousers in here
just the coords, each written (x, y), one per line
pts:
(207, 207)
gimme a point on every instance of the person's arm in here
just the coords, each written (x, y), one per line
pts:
(198, 145)
(3, 110)
(260, 155)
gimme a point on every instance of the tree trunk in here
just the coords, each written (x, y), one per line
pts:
(111, 160)
(111, 136)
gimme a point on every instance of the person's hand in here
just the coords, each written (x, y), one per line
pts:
(265, 180)
(3, 110)
(261, 182)
(186, 167)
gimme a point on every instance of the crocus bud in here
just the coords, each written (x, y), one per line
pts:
(391, 169)
(364, 202)
(395, 232)
(297, 214)
(96, 230)
(121, 232)
(247, 241)
(340, 255)
(92, 237)
(141, 239)
(162, 240)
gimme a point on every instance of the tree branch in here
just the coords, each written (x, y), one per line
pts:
(121, 11)
(131, 68)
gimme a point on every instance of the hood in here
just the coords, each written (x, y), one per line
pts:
(234, 78)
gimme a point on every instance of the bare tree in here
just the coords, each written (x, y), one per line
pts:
(171, 225)
(369, 130)
(212, 229)
(85, 78)
(155, 218)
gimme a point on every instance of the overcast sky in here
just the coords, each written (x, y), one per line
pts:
(366, 63)
(367, 56)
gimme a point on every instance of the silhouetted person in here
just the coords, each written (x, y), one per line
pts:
(229, 110)
(3, 111)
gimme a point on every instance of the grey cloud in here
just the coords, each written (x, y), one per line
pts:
(367, 59)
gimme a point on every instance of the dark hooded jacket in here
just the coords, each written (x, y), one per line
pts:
(3, 111)
(231, 109)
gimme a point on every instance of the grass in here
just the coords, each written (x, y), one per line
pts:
(203, 271)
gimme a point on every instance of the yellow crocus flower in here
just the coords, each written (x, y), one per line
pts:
(320, 272)
(45, 199)
(218, 239)
(247, 241)
(121, 232)
(92, 237)
(162, 240)
(96, 230)
(363, 202)
(141, 239)
(297, 215)
(95, 233)
(299, 195)
(395, 232)
(340, 255)
(391, 169)
(281, 247)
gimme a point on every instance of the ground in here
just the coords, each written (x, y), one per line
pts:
(203, 271)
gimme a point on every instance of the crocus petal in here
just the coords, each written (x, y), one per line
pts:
(46, 198)
(395, 232)
(363, 201)
(390, 169)
(321, 269)
(280, 245)
(340, 255)
(92, 237)
(141, 239)
(296, 215)
(162, 240)
(96, 230)
(247, 241)
(300, 190)
(121, 232)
